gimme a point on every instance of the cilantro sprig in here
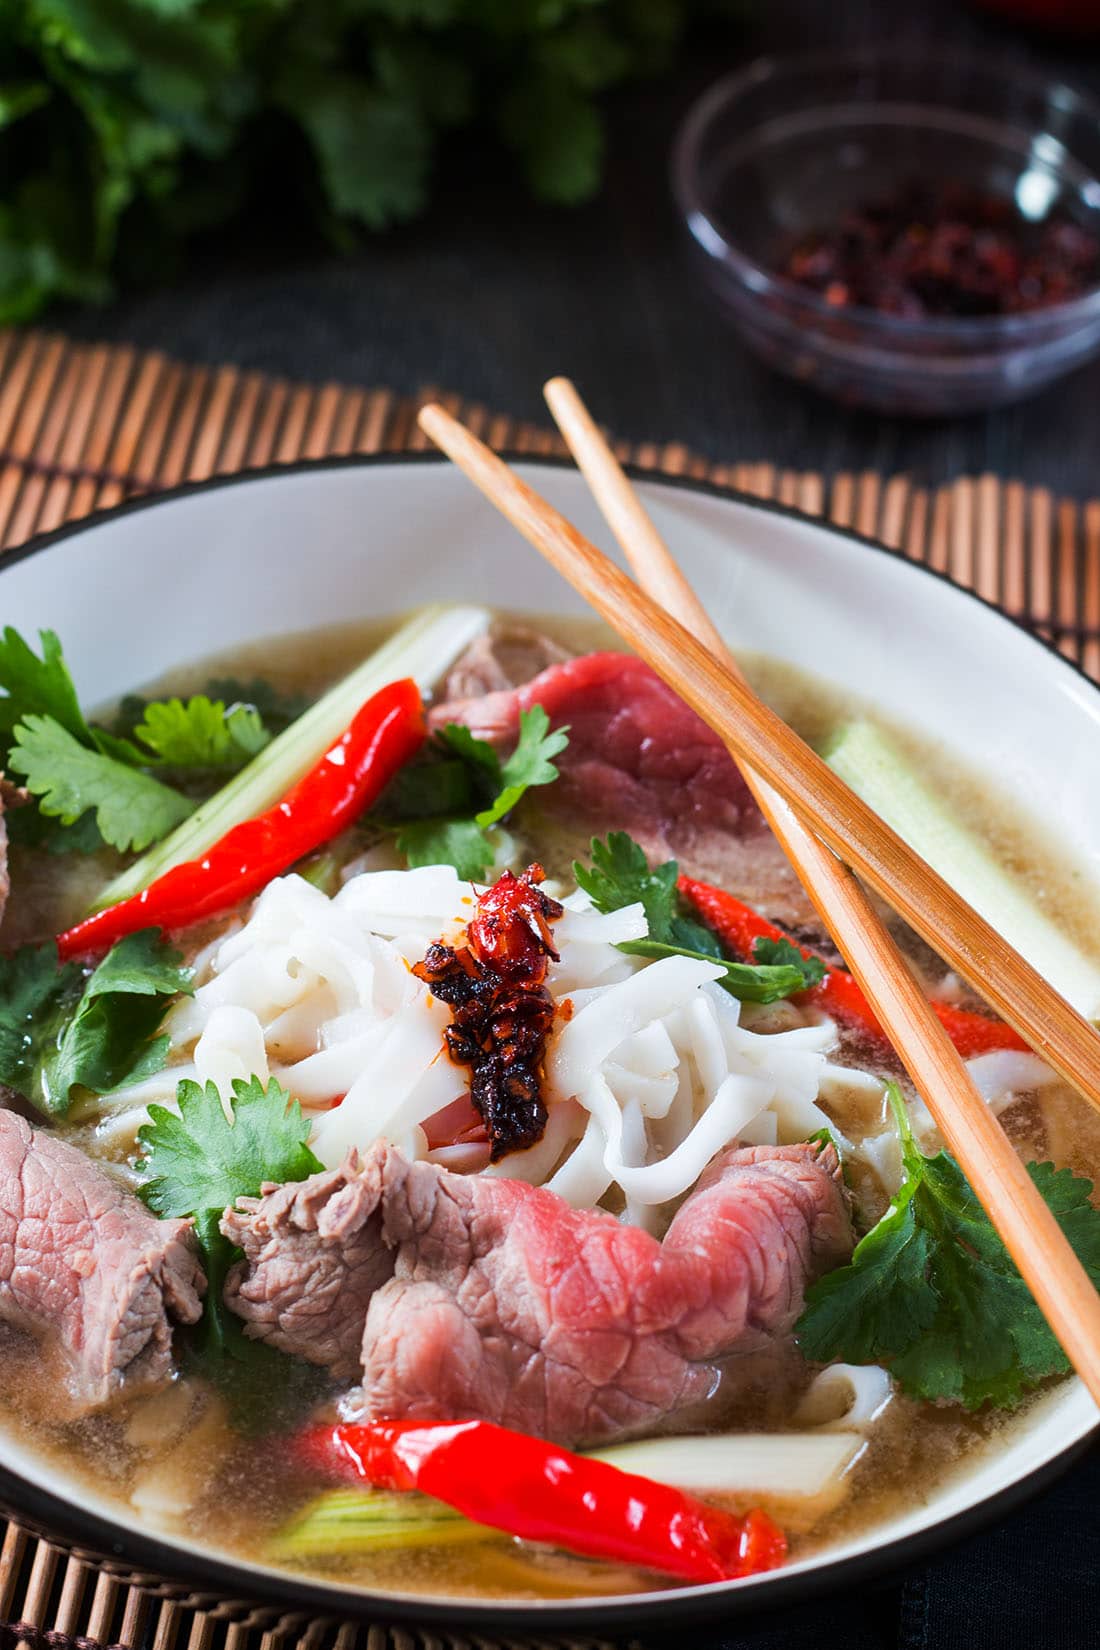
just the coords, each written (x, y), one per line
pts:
(621, 875)
(95, 786)
(200, 732)
(198, 1161)
(130, 126)
(131, 808)
(195, 1164)
(445, 804)
(932, 1292)
(61, 1031)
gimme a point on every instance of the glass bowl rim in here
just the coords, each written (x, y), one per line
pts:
(982, 331)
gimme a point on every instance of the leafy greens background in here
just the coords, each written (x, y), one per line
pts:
(128, 125)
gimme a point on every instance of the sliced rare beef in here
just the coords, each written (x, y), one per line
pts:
(503, 1303)
(315, 1254)
(639, 759)
(504, 657)
(87, 1269)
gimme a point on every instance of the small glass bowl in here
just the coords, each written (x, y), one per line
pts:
(785, 147)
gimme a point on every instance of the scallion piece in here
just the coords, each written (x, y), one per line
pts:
(343, 1522)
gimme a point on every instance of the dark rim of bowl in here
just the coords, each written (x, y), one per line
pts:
(127, 1549)
(760, 280)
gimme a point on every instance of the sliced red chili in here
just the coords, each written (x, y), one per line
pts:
(541, 1492)
(739, 927)
(350, 776)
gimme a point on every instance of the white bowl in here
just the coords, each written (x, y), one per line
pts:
(163, 581)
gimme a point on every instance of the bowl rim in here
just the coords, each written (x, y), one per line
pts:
(128, 1550)
(724, 252)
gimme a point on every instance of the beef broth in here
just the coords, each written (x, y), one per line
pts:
(180, 1459)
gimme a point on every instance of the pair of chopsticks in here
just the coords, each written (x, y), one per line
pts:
(812, 812)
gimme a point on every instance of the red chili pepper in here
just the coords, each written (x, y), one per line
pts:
(351, 775)
(739, 927)
(539, 1492)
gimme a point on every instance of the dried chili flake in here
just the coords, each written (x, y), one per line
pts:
(945, 250)
(501, 1010)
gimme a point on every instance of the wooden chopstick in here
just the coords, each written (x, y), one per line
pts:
(764, 744)
(859, 932)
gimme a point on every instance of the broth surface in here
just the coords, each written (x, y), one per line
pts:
(176, 1460)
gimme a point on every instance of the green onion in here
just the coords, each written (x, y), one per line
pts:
(370, 1521)
(424, 647)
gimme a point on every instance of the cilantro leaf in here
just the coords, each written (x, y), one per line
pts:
(372, 150)
(135, 123)
(621, 875)
(432, 788)
(38, 686)
(60, 1031)
(784, 953)
(932, 1291)
(477, 755)
(200, 733)
(458, 842)
(132, 809)
(110, 1040)
(529, 764)
(459, 776)
(34, 994)
(745, 981)
(199, 1163)
(142, 964)
(555, 130)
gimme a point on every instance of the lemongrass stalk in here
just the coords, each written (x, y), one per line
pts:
(869, 761)
(777, 1464)
(424, 647)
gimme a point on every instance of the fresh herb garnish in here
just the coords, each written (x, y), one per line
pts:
(38, 686)
(200, 1161)
(197, 1164)
(620, 875)
(61, 1030)
(783, 953)
(92, 784)
(200, 733)
(458, 842)
(445, 804)
(130, 127)
(131, 808)
(932, 1291)
(744, 981)
(274, 708)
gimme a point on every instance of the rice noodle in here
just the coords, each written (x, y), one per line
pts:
(648, 1077)
(846, 1396)
(668, 1077)
(1005, 1074)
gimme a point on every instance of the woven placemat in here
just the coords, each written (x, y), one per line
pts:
(84, 427)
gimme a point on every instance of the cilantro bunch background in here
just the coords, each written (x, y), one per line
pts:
(128, 125)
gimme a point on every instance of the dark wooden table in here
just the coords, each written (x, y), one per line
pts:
(490, 296)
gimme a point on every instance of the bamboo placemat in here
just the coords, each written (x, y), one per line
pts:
(84, 427)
